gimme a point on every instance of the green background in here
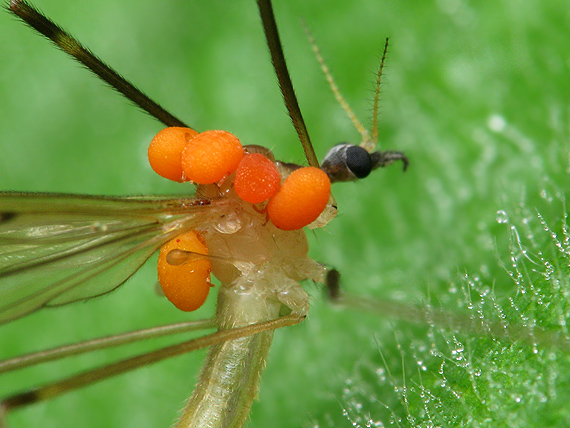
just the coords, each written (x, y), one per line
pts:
(476, 94)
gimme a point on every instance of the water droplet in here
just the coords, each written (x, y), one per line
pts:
(99, 227)
(230, 224)
(502, 217)
(545, 195)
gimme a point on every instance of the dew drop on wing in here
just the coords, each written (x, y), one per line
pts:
(99, 227)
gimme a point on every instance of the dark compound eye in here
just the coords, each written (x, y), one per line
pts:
(358, 161)
(348, 162)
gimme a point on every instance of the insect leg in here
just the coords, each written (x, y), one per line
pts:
(67, 43)
(278, 61)
(53, 354)
(80, 380)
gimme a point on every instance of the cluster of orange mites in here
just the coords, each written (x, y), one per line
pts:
(182, 154)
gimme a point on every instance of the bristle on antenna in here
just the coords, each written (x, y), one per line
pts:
(369, 139)
(374, 141)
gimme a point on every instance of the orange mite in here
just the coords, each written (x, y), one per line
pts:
(211, 156)
(165, 151)
(257, 178)
(186, 284)
(301, 199)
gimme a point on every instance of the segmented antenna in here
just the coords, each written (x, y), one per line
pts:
(376, 100)
(361, 129)
(348, 162)
(368, 141)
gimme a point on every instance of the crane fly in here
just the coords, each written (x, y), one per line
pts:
(58, 249)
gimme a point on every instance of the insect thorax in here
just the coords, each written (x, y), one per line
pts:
(250, 256)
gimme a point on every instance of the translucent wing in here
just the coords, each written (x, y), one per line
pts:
(56, 249)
